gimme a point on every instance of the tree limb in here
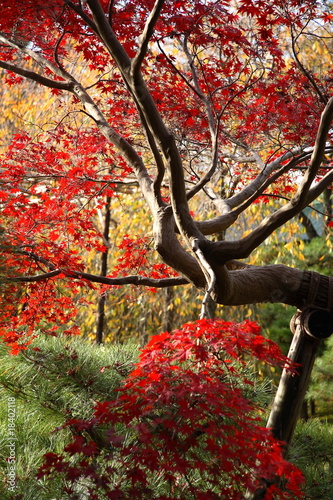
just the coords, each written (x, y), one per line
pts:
(146, 35)
(295, 155)
(211, 170)
(30, 279)
(213, 127)
(210, 277)
(241, 249)
(42, 61)
(126, 280)
(31, 75)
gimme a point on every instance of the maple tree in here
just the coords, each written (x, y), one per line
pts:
(203, 103)
(252, 115)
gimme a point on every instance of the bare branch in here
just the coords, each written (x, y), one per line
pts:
(206, 178)
(203, 98)
(319, 187)
(297, 155)
(217, 224)
(42, 61)
(31, 75)
(111, 4)
(305, 72)
(132, 280)
(213, 127)
(318, 153)
(126, 280)
(146, 35)
(30, 279)
(251, 193)
(228, 250)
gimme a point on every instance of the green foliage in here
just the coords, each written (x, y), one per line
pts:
(320, 389)
(312, 452)
(52, 381)
(64, 377)
(275, 320)
(318, 255)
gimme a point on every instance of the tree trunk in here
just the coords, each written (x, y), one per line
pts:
(309, 327)
(309, 227)
(328, 207)
(168, 309)
(292, 388)
(103, 272)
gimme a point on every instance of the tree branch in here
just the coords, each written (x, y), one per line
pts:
(146, 36)
(126, 280)
(255, 189)
(240, 249)
(30, 279)
(206, 178)
(31, 75)
(210, 277)
(296, 155)
(302, 68)
(213, 127)
(318, 153)
(37, 57)
(260, 284)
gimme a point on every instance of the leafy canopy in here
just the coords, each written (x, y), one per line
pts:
(180, 100)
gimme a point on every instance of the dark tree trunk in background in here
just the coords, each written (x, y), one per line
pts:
(103, 272)
(309, 327)
(328, 206)
(168, 310)
(309, 227)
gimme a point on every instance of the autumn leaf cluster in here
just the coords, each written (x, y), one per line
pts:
(182, 424)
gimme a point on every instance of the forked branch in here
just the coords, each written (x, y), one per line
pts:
(146, 35)
(241, 249)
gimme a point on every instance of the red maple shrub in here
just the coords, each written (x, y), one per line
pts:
(183, 425)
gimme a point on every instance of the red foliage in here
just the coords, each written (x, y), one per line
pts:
(135, 258)
(182, 416)
(182, 421)
(53, 183)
